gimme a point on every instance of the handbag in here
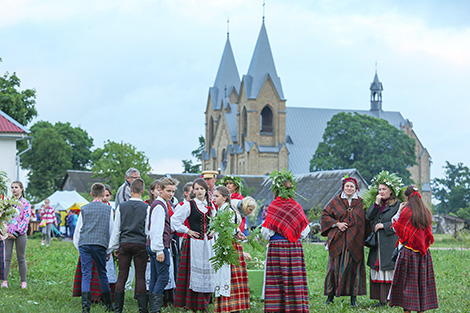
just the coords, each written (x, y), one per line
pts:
(371, 240)
(43, 223)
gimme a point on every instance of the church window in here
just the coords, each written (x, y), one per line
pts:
(244, 126)
(211, 131)
(223, 164)
(266, 120)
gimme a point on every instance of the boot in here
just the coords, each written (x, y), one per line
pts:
(143, 303)
(155, 302)
(330, 299)
(107, 301)
(353, 301)
(118, 301)
(86, 301)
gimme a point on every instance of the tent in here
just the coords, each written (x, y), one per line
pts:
(64, 200)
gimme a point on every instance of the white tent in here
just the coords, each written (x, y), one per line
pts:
(63, 200)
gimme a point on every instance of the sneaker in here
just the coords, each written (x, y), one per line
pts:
(4, 284)
(47, 245)
(42, 243)
(24, 285)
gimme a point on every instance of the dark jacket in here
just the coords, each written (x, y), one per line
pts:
(386, 236)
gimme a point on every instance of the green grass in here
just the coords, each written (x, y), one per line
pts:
(51, 271)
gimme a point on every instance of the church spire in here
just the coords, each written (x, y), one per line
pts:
(376, 93)
(227, 76)
(262, 65)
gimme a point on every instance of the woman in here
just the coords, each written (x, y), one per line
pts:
(95, 288)
(234, 184)
(232, 291)
(16, 234)
(47, 214)
(195, 280)
(154, 192)
(285, 285)
(344, 222)
(386, 188)
(414, 270)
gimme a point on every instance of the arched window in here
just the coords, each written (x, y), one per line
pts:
(211, 131)
(244, 126)
(223, 164)
(266, 120)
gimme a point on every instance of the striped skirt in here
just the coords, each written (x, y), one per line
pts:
(286, 287)
(95, 287)
(414, 285)
(239, 299)
(345, 277)
(185, 297)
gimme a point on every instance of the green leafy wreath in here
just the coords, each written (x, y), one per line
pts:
(238, 181)
(392, 180)
(279, 180)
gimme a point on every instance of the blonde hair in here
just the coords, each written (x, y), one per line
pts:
(248, 201)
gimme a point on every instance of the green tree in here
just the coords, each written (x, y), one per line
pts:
(20, 105)
(113, 160)
(188, 165)
(56, 149)
(366, 143)
(453, 191)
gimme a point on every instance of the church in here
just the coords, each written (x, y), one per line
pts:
(249, 130)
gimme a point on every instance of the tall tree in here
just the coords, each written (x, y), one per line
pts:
(20, 105)
(453, 191)
(113, 160)
(65, 146)
(366, 143)
(188, 165)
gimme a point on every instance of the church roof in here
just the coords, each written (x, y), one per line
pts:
(376, 84)
(262, 65)
(227, 78)
(10, 125)
(305, 128)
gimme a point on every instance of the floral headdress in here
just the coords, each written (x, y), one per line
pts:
(238, 181)
(278, 183)
(346, 179)
(391, 180)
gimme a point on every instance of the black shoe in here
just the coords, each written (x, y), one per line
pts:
(143, 303)
(108, 302)
(330, 299)
(353, 301)
(380, 304)
(155, 303)
(86, 301)
(118, 301)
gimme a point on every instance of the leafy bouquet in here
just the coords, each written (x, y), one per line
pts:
(8, 209)
(224, 251)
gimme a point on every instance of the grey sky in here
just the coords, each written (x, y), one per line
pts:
(140, 71)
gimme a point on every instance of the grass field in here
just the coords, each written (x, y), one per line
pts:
(51, 271)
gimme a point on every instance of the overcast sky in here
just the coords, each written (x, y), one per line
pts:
(139, 71)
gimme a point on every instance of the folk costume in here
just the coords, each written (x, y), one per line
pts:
(379, 260)
(285, 286)
(232, 291)
(195, 281)
(346, 272)
(414, 286)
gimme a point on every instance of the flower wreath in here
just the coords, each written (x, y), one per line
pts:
(278, 187)
(391, 180)
(238, 181)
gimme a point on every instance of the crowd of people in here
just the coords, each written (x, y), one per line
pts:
(168, 246)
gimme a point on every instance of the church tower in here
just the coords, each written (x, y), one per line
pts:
(376, 89)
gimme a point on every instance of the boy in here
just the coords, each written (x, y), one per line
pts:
(158, 243)
(129, 237)
(92, 235)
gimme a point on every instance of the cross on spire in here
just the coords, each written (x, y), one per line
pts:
(264, 5)
(228, 26)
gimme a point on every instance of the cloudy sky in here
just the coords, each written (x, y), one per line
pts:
(139, 71)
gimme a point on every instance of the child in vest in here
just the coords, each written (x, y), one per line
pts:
(158, 244)
(129, 237)
(91, 237)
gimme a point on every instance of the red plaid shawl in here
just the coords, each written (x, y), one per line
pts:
(337, 211)
(416, 239)
(287, 218)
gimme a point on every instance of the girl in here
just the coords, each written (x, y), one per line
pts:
(16, 234)
(231, 287)
(195, 281)
(47, 214)
(413, 286)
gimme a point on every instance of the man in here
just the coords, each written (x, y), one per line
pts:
(124, 192)
(210, 177)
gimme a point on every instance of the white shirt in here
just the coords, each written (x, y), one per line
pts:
(114, 241)
(183, 212)
(157, 227)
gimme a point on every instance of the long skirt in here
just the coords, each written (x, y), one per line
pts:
(345, 277)
(95, 287)
(239, 299)
(414, 285)
(380, 282)
(286, 288)
(185, 297)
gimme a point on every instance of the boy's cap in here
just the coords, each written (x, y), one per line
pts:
(209, 174)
